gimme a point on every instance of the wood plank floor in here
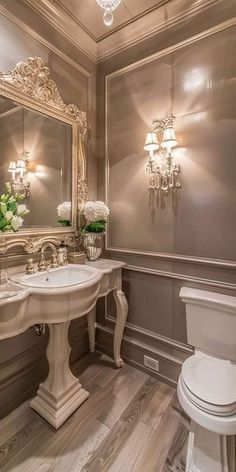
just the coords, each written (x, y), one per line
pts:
(130, 422)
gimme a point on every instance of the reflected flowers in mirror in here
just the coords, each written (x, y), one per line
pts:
(64, 213)
(12, 210)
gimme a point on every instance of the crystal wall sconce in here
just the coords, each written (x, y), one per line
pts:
(163, 171)
(18, 170)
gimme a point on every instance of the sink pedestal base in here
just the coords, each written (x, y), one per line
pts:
(61, 393)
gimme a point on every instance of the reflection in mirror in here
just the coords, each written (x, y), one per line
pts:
(36, 156)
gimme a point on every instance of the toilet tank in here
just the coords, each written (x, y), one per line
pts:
(211, 322)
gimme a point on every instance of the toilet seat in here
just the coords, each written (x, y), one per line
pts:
(210, 384)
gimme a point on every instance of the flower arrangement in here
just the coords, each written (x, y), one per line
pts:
(11, 210)
(96, 214)
(64, 213)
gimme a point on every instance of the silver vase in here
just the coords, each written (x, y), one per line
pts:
(93, 243)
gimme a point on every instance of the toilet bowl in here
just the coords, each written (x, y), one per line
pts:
(207, 383)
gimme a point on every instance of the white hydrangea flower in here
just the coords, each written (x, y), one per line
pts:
(8, 215)
(64, 211)
(16, 222)
(95, 211)
(22, 210)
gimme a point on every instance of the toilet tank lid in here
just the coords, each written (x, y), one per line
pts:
(209, 299)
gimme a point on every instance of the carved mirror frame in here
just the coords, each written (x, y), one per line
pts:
(29, 83)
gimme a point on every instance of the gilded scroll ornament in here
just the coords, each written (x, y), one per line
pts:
(33, 79)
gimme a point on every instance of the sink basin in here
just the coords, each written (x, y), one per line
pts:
(62, 277)
(56, 296)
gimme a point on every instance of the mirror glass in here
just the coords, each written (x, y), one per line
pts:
(36, 157)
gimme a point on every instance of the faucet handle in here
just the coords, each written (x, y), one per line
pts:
(30, 266)
(62, 256)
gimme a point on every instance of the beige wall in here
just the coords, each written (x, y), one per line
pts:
(166, 247)
(22, 359)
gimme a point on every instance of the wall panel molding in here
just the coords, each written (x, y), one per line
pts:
(166, 256)
(184, 278)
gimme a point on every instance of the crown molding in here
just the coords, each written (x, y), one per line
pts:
(18, 22)
(66, 25)
(166, 15)
(163, 52)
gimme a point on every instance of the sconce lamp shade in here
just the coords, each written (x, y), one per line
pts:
(169, 138)
(12, 166)
(151, 143)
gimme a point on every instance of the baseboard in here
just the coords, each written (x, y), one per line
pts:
(133, 352)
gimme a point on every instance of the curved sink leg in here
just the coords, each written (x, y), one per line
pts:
(61, 393)
(92, 328)
(121, 316)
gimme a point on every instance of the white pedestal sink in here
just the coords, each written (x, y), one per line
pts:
(55, 297)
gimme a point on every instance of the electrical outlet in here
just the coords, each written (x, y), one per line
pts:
(151, 363)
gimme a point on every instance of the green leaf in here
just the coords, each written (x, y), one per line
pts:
(3, 207)
(96, 227)
(3, 223)
(12, 206)
(64, 222)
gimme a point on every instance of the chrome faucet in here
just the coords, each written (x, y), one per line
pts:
(42, 263)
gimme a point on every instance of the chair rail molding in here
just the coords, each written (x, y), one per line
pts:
(218, 263)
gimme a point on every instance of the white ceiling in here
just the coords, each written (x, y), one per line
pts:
(89, 15)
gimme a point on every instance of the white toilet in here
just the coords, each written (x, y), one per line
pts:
(207, 383)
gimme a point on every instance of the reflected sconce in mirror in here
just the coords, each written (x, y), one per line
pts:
(162, 170)
(20, 183)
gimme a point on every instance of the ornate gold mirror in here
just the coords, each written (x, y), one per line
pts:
(41, 152)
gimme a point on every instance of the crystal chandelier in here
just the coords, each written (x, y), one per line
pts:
(162, 170)
(108, 6)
